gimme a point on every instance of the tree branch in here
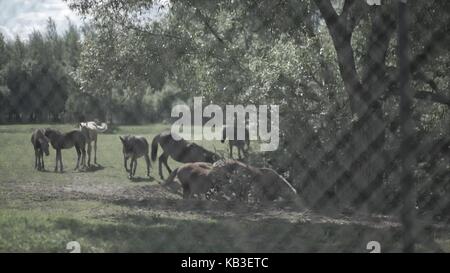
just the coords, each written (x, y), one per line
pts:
(208, 25)
(438, 40)
(433, 97)
(420, 76)
(352, 12)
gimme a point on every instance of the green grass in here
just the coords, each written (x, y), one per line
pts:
(106, 212)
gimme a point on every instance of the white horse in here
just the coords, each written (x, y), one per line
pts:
(90, 130)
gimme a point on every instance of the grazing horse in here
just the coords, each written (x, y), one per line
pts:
(194, 179)
(40, 144)
(134, 147)
(240, 144)
(266, 184)
(180, 150)
(67, 140)
(90, 130)
(201, 178)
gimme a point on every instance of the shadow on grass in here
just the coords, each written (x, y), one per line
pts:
(137, 233)
(186, 205)
(142, 179)
(94, 168)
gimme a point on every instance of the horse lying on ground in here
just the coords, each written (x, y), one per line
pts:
(90, 130)
(40, 144)
(135, 147)
(67, 140)
(180, 150)
(242, 145)
(264, 183)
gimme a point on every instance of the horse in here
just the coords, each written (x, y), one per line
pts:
(40, 144)
(264, 183)
(239, 143)
(180, 150)
(134, 147)
(194, 178)
(67, 140)
(90, 130)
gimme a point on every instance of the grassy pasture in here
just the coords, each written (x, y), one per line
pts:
(106, 212)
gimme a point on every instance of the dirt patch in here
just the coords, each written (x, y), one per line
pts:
(152, 196)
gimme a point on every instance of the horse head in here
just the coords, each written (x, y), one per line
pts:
(43, 141)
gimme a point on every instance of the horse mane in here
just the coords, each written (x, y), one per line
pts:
(51, 130)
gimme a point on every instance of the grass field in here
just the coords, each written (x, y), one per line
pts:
(106, 212)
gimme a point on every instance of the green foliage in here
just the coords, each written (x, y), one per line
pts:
(36, 79)
(275, 52)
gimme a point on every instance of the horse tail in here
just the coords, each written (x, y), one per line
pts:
(155, 142)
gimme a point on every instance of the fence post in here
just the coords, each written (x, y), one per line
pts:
(407, 132)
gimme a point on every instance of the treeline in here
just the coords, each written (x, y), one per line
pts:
(39, 83)
(36, 75)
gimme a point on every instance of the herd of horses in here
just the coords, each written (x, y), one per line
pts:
(203, 173)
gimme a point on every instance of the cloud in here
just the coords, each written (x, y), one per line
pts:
(21, 17)
(6, 33)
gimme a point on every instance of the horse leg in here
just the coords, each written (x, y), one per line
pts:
(186, 191)
(39, 155)
(239, 152)
(41, 160)
(95, 150)
(61, 166)
(245, 151)
(78, 157)
(83, 156)
(135, 165)
(57, 160)
(125, 161)
(89, 153)
(130, 173)
(167, 165)
(147, 161)
(36, 159)
(231, 149)
(161, 159)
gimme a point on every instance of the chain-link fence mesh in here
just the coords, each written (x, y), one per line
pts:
(379, 175)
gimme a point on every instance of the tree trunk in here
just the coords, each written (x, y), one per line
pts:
(364, 158)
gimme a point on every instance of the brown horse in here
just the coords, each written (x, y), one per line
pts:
(180, 150)
(239, 143)
(264, 183)
(59, 141)
(90, 130)
(194, 179)
(134, 147)
(40, 144)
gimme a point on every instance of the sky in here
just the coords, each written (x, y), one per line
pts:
(21, 17)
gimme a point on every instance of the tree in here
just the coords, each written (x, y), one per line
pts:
(334, 60)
